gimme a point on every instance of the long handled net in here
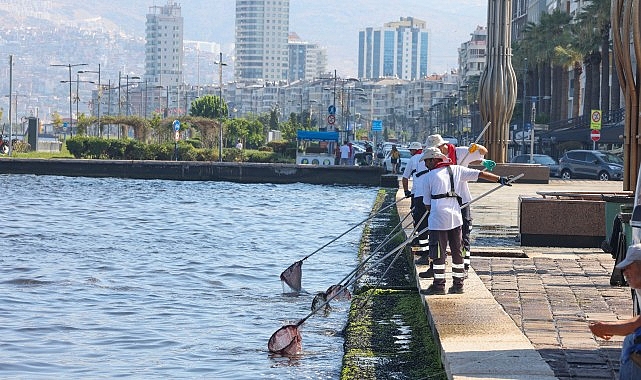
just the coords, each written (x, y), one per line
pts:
(292, 276)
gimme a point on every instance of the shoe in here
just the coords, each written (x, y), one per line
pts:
(427, 274)
(455, 289)
(423, 260)
(433, 290)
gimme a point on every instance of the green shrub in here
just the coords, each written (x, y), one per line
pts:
(116, 149)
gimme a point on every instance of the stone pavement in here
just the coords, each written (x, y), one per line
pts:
(526, 317)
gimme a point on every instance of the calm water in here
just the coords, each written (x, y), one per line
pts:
(164, 279)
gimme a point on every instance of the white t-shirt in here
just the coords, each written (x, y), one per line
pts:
(418, 185)
(410, 168)
(345, 151)
(445, 213)
(464, 158)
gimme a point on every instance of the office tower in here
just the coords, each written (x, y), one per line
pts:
(307, 61)
(262, 28)
(164, 46)
(398, 49)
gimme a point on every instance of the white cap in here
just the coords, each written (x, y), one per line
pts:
(633, 254)
(435, 141)
(415, 145)
(432, 152)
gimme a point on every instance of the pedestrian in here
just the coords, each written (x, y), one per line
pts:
(464, 156)
(352, 155)
(239, 145)
(395, 158)
(630, 360)
(442, 186)
(369, 154)
(414, 165)
(345, 151)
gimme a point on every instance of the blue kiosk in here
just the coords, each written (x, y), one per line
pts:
(316, 148)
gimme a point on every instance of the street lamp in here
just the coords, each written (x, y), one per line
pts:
(99, 94)
(220, 97)
(127, 77)
(77, 97)
(70, 65)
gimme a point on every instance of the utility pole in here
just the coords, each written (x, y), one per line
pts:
(532, 130)
(220, 98)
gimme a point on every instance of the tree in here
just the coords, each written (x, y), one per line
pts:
(209, 106)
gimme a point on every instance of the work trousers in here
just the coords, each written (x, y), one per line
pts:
(439, 240)
(420, 244)
(466, 230)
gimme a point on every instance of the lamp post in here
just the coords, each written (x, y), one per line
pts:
(460, 108)
(533, 117)
(99, 94)
(70, 65)
(524, 109)
(220, 97)
(77, 97)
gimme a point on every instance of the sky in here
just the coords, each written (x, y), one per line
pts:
(335, 24)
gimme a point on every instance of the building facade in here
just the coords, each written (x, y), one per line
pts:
(164, 46)
(472, 55)
(306, 60)
(398, 49)
(262, 30)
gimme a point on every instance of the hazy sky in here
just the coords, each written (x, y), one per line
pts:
(335, 24)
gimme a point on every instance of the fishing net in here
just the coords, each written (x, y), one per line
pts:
(292, 276)
(286, 341)
(338, 292)
(319, 299)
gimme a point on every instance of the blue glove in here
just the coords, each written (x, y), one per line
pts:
(489, 164)
(505, 181)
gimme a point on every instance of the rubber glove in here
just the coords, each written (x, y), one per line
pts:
(408, 194)
(472, 148)
(505, 181)
(489, 164)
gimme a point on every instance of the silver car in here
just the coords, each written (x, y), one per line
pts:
(595, 164)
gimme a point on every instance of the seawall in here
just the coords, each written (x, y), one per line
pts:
(198, 171)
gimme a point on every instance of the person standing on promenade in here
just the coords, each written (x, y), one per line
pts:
(416, 165)
(345, 150)
(630, 367)
(463, 156)
(441, 188)
(394, 158)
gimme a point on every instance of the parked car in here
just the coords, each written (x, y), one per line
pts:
(541, 159)
(596, 164)
(405, 157)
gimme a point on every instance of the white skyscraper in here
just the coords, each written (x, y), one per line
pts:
(262, 29)
(164, 46)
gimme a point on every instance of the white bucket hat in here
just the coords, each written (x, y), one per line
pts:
(432, 152)
(415, 145)
(435, 141)
(633, 254)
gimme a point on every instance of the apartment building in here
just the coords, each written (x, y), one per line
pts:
(472, 55)
(262, 30)
(164, 45)
(399, 49)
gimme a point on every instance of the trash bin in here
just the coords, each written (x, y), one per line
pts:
(613, 207)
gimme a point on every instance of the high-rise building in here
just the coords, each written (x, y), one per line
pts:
(398, 49)
(164, 46)
(307, 61)
(262, 29)
(472, 55)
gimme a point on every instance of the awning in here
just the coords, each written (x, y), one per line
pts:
(317, 136)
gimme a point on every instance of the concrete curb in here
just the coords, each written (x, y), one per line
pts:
(476, 337)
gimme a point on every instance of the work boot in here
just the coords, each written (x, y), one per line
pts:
(456, 289)
(433, 290)
(429, 273)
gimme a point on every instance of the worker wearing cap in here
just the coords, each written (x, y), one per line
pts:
(415, 166)
(463, 156)
(442, 186)
(630, 366)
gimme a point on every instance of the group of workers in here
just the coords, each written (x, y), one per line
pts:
(440, 209)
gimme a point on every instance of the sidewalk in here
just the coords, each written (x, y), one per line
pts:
(526, 318)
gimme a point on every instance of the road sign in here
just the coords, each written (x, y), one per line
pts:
(331, 109)
(331, 119)
(595, 120)
(377, 125)
(595, 135)
(176, 125)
